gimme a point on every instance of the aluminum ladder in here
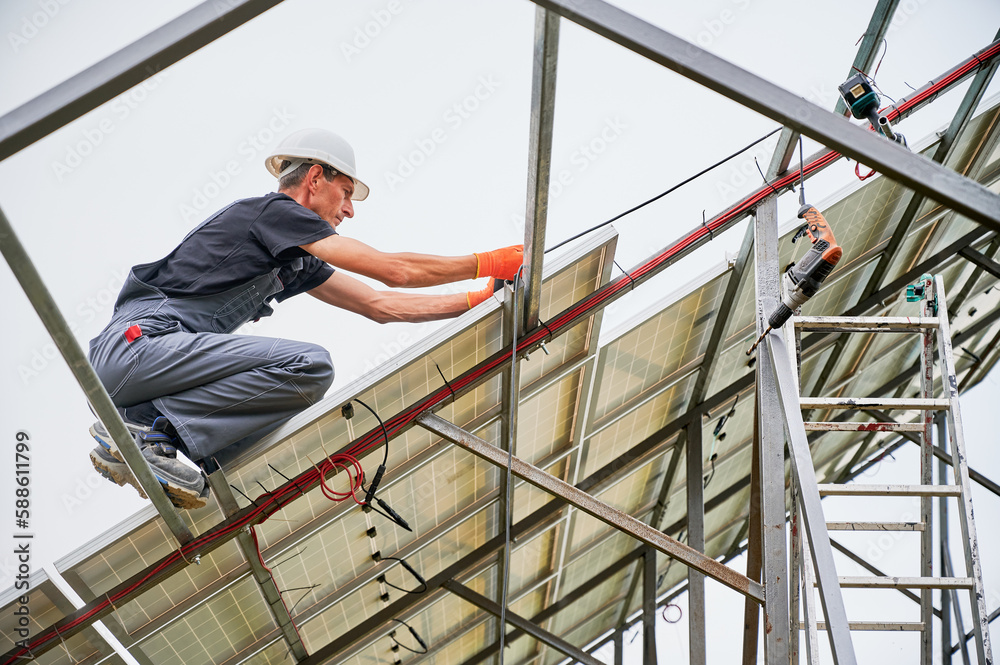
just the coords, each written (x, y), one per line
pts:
(933, 326)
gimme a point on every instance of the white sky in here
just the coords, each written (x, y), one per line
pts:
(435, 100)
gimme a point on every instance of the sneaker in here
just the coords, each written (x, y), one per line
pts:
(185, 486)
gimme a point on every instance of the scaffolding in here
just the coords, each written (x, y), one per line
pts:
(777, 417)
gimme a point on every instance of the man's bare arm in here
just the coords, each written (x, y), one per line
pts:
(344, 291)
(402, 269)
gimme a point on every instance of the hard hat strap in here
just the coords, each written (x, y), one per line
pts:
(296, 163)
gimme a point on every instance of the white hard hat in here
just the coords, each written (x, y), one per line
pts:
(316, 146)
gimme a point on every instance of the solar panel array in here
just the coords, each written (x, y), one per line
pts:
(581, 405)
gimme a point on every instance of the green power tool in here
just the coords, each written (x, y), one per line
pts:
(860, 96)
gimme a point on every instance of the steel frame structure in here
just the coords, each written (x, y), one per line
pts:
(207, 22)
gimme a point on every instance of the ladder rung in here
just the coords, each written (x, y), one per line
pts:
(865, 323)
(836, 489)
(916, 403)
(863, 427)
(885, 626)
(875, 526)
(869, 582)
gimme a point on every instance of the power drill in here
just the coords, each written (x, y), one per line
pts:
(803, 279)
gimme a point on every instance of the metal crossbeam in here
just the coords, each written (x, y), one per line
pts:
(55, 323)
(520, 622)
(965, 196)
(270, 590)
(591, 506)
(871, 42)
(123, 69)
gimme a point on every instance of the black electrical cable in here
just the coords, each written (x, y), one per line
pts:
(392, 636)
(662, 194)
(385, 456)
(389, 513)
(409, 569)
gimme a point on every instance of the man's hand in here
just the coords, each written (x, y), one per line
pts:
(476, 297)
(500, 263)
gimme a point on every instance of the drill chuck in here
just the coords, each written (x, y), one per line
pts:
(779, 316)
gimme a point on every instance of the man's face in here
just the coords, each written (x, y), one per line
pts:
(333, 199)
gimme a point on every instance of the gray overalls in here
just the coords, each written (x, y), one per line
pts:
(177, 355)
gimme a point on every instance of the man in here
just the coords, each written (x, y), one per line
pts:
(168, 359)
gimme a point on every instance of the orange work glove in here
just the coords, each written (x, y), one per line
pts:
(476, 297)
(500, 263)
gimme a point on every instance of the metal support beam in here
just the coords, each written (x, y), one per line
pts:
(543, 101)
(530, 628)
(63, 587)
(282, 617)
(838, 630)
(721, 324)
(510, 387)
(774, 554)
(591, 506)
(55, 323)
(914, 171)
(123, 69)
(649, 606)
(696, 539)
(551, 610)
(662, 502)
(981, 260)
(751, 613)
(870, 43)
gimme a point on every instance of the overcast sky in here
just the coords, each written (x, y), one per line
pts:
(434, 96)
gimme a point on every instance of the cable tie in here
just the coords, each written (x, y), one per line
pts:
(704, 222)
(180, 550)
(450, 389)
(287, 478)
(626, 274)
(284, 561)
(545, 325)
(243, 495)
(75, 661)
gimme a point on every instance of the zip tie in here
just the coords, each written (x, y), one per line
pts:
(75, 661)
(704, 222)
(180, 550)
(284, 561)
(445, 380)
(288, 479)
(115, 610)
(244, 495)
(623, 272)
(547, 328)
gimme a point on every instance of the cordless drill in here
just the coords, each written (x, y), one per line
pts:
(803, 279)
